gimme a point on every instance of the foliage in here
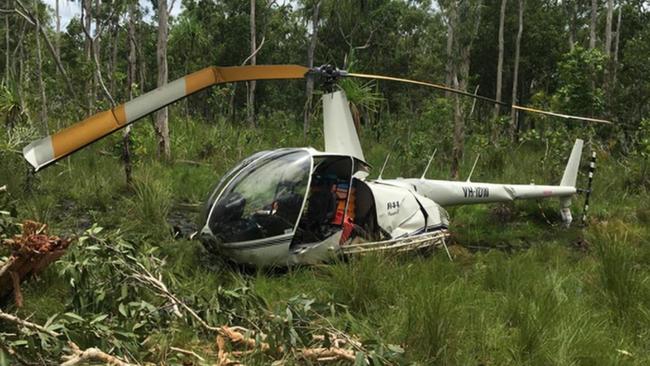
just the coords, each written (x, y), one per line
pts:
(577, 72)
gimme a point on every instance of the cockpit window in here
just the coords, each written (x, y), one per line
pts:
(216, 189)
(263, 200)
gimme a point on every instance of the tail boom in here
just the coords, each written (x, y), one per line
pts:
(450, 193)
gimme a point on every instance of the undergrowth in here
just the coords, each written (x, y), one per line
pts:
(521, 290)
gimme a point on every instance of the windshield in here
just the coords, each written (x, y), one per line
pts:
(263, 200)
(207, 206)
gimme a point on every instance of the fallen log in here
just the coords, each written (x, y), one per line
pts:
(31, 252)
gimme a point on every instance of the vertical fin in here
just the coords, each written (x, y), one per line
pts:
(571, 171)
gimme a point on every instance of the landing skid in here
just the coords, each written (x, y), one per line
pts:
(426, 240)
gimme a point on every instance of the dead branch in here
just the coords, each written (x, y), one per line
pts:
(6, 265)
(147, 278)
(3, 188)
(187, 352)
(327, 354)
(18, 294)
(27, 324)
(254, 52)
(90, 354)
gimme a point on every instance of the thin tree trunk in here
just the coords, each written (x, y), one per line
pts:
(86, 6)
(573, 16)
(515, 76)
(131, 75)
(502, 16)
(21, 73)
(461, 76)
(309, 90)
(608, 28)
(449, 67)
(616, 42)
(592, 26)
(7, 51)
(162, 126)
(39, 76)
(57, 42)
(96, 45)
(608, 48)
(115, 39)
(252, 84)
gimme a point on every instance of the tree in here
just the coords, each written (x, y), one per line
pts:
(502, 16)
(592, 25)
(162, 123)
(309, 89)
(515, 76)
(130, 80)
(466, 18)
(39, 77)
(253, 60)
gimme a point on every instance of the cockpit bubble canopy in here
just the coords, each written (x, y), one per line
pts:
(263, 198)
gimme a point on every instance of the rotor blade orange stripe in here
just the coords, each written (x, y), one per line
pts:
(88, 130)
(42, 152)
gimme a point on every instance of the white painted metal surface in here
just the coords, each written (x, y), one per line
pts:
(338, 129)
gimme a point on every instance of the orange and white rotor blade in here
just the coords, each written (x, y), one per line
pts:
(49, 149)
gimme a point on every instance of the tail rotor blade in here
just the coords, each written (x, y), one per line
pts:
(49, 149)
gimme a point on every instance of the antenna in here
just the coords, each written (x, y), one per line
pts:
(473, 166)
(384, 166)
(429, 163)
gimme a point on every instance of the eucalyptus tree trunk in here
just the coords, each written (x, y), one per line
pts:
(515, 77)
(252, 84)
(7, 44)
(309, 89)
(502, 16)
(130, 79)
(115, 40)
(87, 9)
(616, 42)
(449, 67)
(592, 26)
(57, 42)
(463, 44)
(162, 125)
(96, 50)
(573, 19)
(608, 28)
(39, 77)
(608, 48)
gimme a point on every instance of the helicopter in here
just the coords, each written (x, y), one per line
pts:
(294, 206)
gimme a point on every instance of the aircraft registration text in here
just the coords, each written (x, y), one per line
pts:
(476, 192)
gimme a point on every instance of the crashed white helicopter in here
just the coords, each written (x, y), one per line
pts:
(302, 206)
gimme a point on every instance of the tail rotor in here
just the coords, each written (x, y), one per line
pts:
(592, 168)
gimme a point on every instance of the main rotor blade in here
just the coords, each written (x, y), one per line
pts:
(480, 97)
(49, 149)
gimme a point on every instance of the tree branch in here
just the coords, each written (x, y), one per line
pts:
(24, 323)
(90, 354)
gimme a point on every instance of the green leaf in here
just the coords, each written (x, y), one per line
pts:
(122, 309)
(74, 316)
(99, 319)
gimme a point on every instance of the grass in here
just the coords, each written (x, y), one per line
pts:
(539, 295)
